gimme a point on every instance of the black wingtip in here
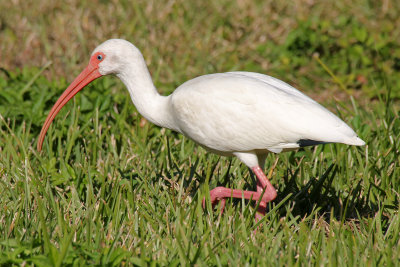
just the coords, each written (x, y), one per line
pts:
(309, 142)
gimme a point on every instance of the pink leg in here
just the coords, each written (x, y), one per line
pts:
(270, 192)
(221, 193)
(262, 207)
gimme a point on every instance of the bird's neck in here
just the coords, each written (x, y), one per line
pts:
(150, 104)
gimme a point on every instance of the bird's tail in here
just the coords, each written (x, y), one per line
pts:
(355, 141)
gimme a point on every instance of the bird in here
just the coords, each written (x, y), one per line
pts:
(243, 114)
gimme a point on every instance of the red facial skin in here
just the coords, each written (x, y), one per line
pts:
(89, 74)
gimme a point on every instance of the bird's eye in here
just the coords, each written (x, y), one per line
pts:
(99, 57)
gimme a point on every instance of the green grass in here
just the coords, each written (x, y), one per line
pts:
(111, 189)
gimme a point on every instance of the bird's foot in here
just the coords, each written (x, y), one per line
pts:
(261, 210)
(222, 193)
(215, 199)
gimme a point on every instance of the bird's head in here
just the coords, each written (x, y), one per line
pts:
(112, 56)
(108, 58)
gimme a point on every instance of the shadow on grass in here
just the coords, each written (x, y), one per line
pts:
(318, 195)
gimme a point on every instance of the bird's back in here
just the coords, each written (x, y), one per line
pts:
(244, 111)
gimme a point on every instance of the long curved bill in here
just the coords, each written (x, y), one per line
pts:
(89, 74)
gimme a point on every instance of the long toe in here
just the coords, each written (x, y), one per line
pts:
(261, 210)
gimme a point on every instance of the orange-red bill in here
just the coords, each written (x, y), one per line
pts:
(90, 73)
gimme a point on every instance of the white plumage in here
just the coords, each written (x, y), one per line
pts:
(242, 111)
(243, 114)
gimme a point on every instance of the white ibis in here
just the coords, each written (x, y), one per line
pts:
(242, 114)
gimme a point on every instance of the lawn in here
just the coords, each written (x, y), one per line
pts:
(109, 188)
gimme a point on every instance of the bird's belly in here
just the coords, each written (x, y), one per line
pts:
(222, 139)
